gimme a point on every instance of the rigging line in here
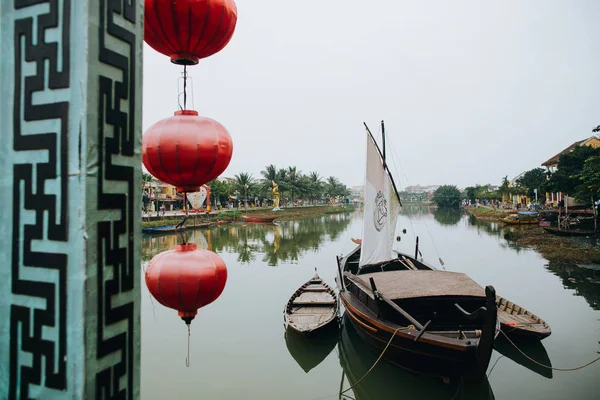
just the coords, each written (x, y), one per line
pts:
(546, 366)
(434, 245)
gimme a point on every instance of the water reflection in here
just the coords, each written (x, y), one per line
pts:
(447, 216)
(284, 241)
(533, 349)
(310, 352)
(583, 279)
(387, 381)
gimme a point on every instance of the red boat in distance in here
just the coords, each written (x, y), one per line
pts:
(246, 218)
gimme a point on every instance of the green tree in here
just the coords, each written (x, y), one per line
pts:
(570, 165)
(243, 182)
(532, 179)
(590, 180)
(447, 196)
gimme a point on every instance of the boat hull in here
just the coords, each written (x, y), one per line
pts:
(519, 222)
(425, 356)
(258, 219)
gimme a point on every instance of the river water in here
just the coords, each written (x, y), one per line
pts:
(238, 343)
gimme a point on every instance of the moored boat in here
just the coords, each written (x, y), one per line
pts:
(570, 232)
(426, 320)
(248, 218)
(312, 307)
(517, 321)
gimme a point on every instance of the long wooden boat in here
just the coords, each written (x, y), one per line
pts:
(312, 307)
(570, 232)
(437, 322)
(173, 229)
(516, 221)
(517, 321)
(247, 218)
(388, 382)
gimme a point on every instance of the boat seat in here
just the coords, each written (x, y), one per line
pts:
(314, 303)
(315, 289)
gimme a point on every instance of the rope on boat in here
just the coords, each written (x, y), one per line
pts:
(547, 366)
(377, 361)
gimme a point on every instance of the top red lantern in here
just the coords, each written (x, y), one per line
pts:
(186, 150)
(188, 30)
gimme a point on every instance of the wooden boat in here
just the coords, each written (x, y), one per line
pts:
(309, 352)
(517, 321)
(173, 229)
(570, 232)
(519, 221)
(312, 307)
(389, 382)
(247, 218)
(435, 321)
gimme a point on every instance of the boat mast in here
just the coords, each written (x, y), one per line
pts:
(384, 163)
(383, 141)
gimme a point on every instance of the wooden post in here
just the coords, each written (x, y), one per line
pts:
(70, 80)
(417, 249)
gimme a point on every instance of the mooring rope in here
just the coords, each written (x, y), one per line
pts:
(376, 361)
(546, 366)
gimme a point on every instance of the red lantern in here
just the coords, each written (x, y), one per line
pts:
(186, 279)
(186, 150)
(188, 30)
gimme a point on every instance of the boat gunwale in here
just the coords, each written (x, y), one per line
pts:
(290, 306)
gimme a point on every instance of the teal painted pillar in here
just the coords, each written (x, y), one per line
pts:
(70, 173)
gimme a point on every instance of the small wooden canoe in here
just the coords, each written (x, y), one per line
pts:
(247, 218)
(312, 307)
(517, 321)
(570, 232)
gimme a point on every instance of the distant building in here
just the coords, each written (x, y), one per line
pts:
(421, 189)
(552, 164)
(225, 179)
(357, 192)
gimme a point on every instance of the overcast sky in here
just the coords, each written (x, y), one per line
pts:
(470, 91)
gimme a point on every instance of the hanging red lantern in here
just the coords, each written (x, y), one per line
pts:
(186, 150)
(186, 279)
(188, 30)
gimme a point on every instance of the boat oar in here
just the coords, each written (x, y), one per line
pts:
(396, 307)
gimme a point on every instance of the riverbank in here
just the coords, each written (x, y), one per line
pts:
(285, 214)
(486, 213)
(553, 248)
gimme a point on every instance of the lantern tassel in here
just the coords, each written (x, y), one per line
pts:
(187, 359)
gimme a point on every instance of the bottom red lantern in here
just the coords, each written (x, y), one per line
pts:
(186, 279)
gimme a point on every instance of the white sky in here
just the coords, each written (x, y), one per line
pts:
(470, 91)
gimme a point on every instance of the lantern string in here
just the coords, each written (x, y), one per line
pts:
(185, 88)
(187, 359)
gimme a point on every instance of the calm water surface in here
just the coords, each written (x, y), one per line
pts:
(238, 344)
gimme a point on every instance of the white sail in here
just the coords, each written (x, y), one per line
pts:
(380, 211)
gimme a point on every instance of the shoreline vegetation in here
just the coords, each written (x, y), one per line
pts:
(553, 248)
(235, 215)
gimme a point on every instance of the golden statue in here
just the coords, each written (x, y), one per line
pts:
(275, 191)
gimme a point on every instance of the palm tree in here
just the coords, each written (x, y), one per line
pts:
(243, 182)
(315, 185)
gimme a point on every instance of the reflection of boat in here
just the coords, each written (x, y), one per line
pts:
(517, 321)
(435, 321)
(172, 229)
(570, 232)
(388, 382)
(312, 307)
(310, 352)
(247, 218)
(534, 349)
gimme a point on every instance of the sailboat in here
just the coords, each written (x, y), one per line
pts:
(429, 321)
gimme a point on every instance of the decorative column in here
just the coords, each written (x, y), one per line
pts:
(70, 191)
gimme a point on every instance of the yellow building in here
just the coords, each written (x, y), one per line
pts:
(552, 164)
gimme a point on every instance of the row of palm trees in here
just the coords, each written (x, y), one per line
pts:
(293, 186)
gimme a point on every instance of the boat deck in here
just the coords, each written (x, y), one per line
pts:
(397, 285)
